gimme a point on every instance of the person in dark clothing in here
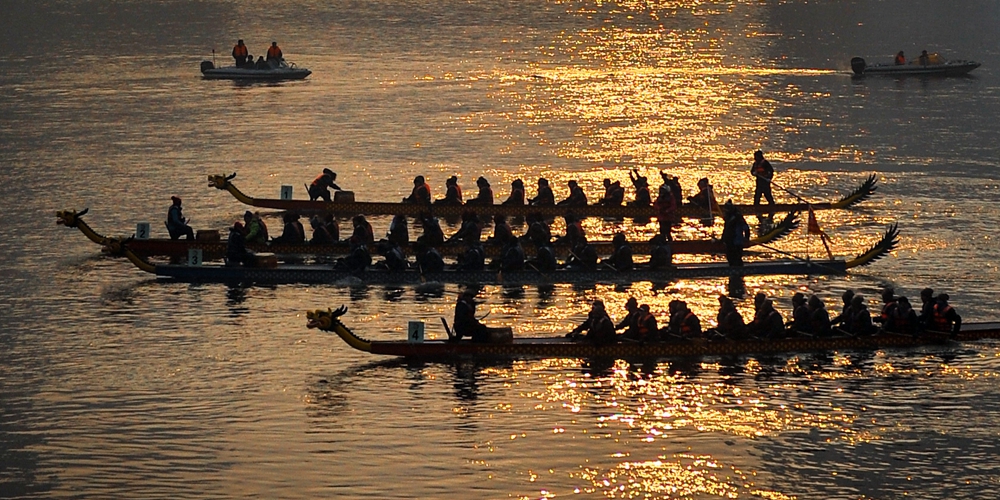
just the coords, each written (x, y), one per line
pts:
(621, 257)
(730, 321)
(261, 64)
(177, 224)
(545, 259)
(888, 306)
(292, 233)
(843, 319)
(582, 257)
(574, 232)
(322, 184)
(453, 193)
(538, 232)
(927, 300)
(363, 232)
(511, 256)
(320, 234)
(241, 53)
(903, 319)
(767, 322)
(399, 231)
(763, 172)
(474, 258)
(421, 194)
(614, 194)
(631, 320)
(274, 54)
(501, 231)
(394, 259)
(861, 318)
(576, 198)
(485, 195)
(735, 234)
(598, 325)
(545, 197)
(433, 235)
(683, 322)
(661, 254)
(516, 193)
(357, 260)
(705, 197)
(641, 185)
(819, 317)
(429, 260)
(470, 231)
(800, 315)
(465, 322)
(666, 209)
(236, 249)
(945, 318)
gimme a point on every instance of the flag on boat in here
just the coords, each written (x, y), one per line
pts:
(813, 228)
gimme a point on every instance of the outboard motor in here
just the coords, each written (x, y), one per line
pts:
(206, 65)
(858, 65)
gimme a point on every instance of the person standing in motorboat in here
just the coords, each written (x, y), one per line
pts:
(241, 53)
(274, 56)
(900, 59)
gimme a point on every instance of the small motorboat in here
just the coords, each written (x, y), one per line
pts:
(934, 65)
(282, 71)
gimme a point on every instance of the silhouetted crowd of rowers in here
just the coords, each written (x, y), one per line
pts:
(810, 318)
(326, 230)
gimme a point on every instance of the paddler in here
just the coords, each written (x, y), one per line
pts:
(485, 195)
(763, 172)
(321, 185)
(545, 197)
(945, 318)
(641, 184)
(236, 248)
(576, 198)
(363, 232)
(465, 323)
(453, 192)
(705, 197)
(600, 329)
(241, 53)
(255, 230)
(516, 193)
(421, 193)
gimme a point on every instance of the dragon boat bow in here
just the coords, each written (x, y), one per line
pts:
(559, 347)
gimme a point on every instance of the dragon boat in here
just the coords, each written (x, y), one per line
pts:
(508, 346)
(268, 271)
(214, 250)
(224, 182)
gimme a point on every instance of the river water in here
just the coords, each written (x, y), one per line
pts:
(115, 385)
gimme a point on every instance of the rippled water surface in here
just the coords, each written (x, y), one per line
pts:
(115, 385)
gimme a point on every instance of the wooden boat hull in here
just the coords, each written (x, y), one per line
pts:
(559, 347)
(316, 274)
(613, 212)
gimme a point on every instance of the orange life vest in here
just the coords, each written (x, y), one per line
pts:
(940, 319)
(240, 51)
(273, 51)
(685, 326)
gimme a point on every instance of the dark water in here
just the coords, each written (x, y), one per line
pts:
(114, 385)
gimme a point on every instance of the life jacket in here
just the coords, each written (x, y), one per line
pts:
(319, 182)
(458, 192)
(887, 310)
(516, 196)
(421, 193)
(901, 322)
(240, 50)
(642, 324)
(642, 195)
(273, 52)
(686, 330)
(940, 318)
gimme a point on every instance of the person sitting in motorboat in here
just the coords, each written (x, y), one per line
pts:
(320, 234)
(177, 224)
(322, 184)
(453, 192)
(421, 193)
(292, 233)
(433, 235)
(465, 323)
(900, 59)
(236, 248)
(274, 56)
(363, 231)
(399, 231)
(945, 318)
(577, 197)
(485, 195)
(598, 325)
(621, 257)
(661, 254)
(394, 259)
(429, 260)
(357, 260)
(545, 196)
(254, 228)
(261, 63)
(516, 193)
(924, 58)
(241, 53)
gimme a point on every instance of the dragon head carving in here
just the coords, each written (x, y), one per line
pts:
(70, 218)
(220, 181)
(324, 319)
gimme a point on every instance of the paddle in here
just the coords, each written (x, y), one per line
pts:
(447, 329)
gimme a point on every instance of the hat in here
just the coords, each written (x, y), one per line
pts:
(175, 199)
